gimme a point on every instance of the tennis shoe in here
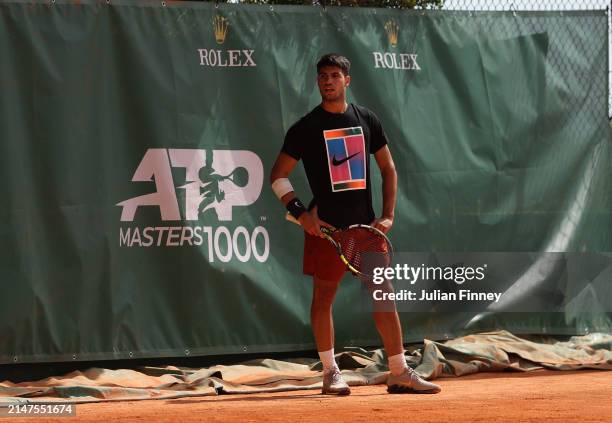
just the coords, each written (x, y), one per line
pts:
(410, 382)
(334, 384)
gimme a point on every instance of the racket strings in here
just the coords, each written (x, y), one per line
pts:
(357, 241)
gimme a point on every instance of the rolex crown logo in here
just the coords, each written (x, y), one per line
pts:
(220, 25)
(392, 29)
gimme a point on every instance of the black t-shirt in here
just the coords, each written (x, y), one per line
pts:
(335, 149)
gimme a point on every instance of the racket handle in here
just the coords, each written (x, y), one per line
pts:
(324, 229)
(292, 219)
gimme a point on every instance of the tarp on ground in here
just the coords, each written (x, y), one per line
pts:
(135, 142)
(484, 352)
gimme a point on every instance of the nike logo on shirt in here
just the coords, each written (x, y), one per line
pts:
(337, 162)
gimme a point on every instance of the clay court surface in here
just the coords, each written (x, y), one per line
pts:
(539, 396)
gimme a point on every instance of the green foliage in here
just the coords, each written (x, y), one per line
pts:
(395, 4)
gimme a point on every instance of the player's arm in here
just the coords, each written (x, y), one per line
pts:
(279, 179)
(389, 188)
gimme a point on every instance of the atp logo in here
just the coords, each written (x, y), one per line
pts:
(214, 179)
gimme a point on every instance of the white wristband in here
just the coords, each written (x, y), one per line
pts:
(281, 186)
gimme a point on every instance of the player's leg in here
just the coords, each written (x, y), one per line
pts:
(390, 330)
(322, 262)
(386, 319)
(324, 292)
(323, 295)
(401, 378)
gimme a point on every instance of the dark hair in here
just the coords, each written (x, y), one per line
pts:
(334, 59)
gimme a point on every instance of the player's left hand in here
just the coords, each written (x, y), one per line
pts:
(383, 224)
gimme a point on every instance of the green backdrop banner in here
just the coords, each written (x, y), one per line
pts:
(137, 139)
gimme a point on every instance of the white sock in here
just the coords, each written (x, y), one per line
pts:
(397, 364)
(328, 360)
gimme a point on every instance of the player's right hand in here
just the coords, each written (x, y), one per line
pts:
(312, 224)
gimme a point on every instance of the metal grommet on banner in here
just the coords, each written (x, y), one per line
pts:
(187, 352)
(271, 8)
(15, 359)
(107, 1)
(244, 348)
(74, 356)
(131, 354)
(163, 4)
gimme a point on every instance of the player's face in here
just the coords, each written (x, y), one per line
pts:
(332, 83)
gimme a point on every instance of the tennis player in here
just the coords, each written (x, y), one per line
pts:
(334, 142)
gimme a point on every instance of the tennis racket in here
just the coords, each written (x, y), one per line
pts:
(239, 177)
(354, 243)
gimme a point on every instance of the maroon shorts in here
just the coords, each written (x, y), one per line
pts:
(321, 259)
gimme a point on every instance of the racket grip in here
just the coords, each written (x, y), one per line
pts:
(292, 219)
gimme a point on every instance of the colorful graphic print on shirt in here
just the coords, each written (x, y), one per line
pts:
(346, 158)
